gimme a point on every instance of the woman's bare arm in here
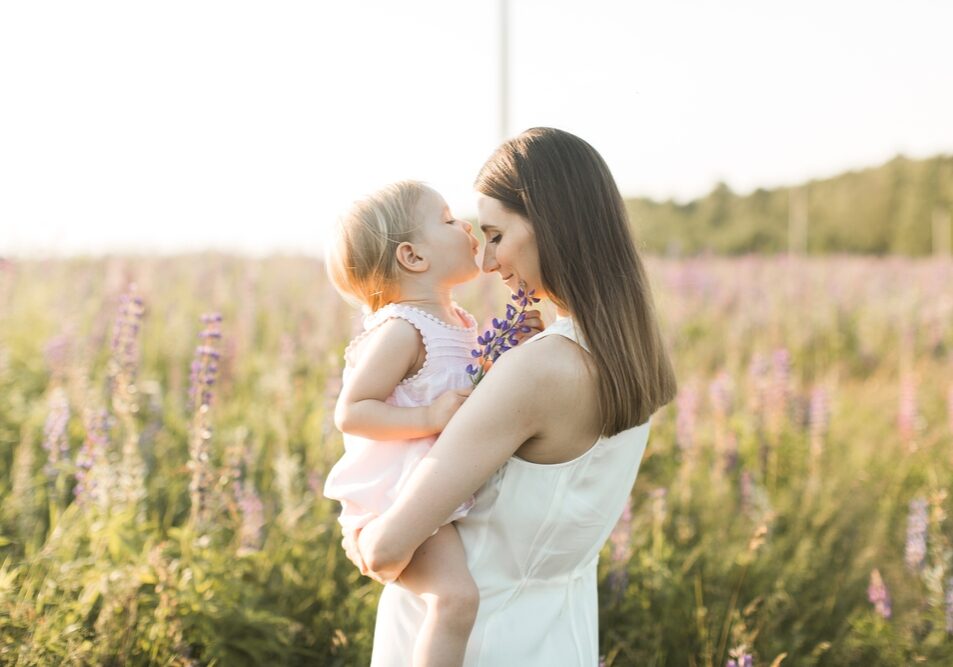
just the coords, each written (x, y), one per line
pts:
(503, 412)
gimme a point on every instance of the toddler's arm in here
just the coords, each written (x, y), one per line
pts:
(386, 356)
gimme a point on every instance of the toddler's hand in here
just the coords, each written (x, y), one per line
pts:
(446, 405)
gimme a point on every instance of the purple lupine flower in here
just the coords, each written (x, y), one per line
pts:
(316, 484)
(740, 658)
(503, 336)
(730, 454)
(55, 441)
(721, 395)
(747, 491)
(878, 594)
(123, 371)
(251, 509)
(818, 422)
(57, 352)
(622, 535)
(758, 372)
(204, 371)
(621, 538)
(949, 606)
(91, 459)
(686, 405)
(125, 341)
(915, 550)
(907, 414)
(780, 388)
(205, 363)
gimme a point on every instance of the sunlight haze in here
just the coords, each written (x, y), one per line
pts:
(249, 126)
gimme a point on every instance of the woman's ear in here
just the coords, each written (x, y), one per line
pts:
(408, 258)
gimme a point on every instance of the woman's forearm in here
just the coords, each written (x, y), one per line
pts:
(382, 549)
(468, 451)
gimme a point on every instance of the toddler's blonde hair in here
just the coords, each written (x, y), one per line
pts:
(361, 258)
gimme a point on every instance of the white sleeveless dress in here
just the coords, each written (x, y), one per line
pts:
(532, 540)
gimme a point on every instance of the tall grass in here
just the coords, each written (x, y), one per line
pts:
(161, 467)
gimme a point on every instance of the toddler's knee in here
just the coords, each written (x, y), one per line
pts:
(459, 606)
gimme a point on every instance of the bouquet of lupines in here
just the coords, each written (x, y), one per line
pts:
(503, 336)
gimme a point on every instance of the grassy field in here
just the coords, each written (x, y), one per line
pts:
(161, 472)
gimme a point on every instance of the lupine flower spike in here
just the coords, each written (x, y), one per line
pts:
(949, 606)
(878, 595)
(740, 657)
(503, 336)
(915, 549)
(203, 375)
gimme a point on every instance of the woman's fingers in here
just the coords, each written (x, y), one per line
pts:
(534, 321)
(352, 547)
(353, 553)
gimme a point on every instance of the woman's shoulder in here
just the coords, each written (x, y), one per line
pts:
(556, 391)
(545, 363)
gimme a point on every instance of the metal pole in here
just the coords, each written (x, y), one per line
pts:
(504, 128)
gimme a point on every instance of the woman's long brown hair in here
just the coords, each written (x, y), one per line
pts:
(589, 264)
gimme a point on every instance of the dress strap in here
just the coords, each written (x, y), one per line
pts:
(565, 327)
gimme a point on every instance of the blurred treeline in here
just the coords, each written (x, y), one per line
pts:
(901, 207)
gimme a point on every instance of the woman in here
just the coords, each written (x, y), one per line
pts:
(552, 438)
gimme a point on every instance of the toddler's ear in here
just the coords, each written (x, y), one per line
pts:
(408, 258)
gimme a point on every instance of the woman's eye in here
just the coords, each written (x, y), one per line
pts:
(496, 238)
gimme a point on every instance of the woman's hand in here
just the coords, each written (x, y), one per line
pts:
(353, 553)
(534, 321)
(365, 542)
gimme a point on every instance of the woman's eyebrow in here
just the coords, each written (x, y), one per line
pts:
(483, 228)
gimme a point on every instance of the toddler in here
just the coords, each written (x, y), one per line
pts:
(400, 252)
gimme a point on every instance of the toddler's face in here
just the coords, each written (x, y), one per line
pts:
(450, 243)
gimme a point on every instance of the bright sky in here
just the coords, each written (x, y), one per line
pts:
(248, 126)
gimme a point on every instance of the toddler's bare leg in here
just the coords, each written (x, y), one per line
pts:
(438, 573)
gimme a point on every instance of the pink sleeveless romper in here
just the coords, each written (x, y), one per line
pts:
(370, 475)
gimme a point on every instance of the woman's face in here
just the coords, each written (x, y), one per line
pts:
(510, 247)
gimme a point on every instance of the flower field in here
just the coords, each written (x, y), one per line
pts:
(165, 425)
